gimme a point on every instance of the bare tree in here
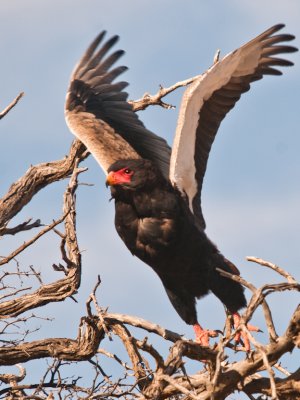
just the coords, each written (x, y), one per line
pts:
(144, 372)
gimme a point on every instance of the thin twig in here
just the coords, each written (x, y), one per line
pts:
(179, 387)
(282, 369)
(143, 345)
(267, 365)
(219, 359)
(11, 105)
(266, 309)
(114, 357)
(274, 267)
(150, 100)
(5, 296)
(24, 246)
(99, 310)
(143, 324)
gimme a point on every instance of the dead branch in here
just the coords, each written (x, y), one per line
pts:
(25, 226)
(151, 100)
(266, 309)
(143, 324)
(80, 349)
(11, 105)
(140, 365)
(287, 388)
(53, 292)
(233, 373)
(35, 179)
(13, 379)
(63, 288)
(274, 267)
(179, 388)
(25, 245)
(156, 99)
(91, 333)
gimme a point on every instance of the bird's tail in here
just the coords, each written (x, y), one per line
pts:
(231, 293)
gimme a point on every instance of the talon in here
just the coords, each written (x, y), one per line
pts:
(242, 336)
(203, 335)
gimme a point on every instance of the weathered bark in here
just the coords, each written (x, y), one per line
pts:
(80, 349)
(287, 388)
(35, 179)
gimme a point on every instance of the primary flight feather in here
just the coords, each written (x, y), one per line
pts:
(157, 191)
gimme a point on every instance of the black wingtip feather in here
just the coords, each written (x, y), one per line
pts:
(269, 51)
(279, 26)
(103, 67)
(284, 37)
(269, 71)
(291, 49)
(88, 54)
(91, 58)
(111, 75)
(95, 43)
(108, 45)
(276, 61)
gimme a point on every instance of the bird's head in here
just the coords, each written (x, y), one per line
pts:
(133, 174)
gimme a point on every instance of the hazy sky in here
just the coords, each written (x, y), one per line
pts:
(251, 191)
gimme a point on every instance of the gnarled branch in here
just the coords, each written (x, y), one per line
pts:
(35, 179)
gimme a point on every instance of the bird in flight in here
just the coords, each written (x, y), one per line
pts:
(156, 189)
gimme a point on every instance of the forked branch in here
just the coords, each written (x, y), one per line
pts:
(156, 99)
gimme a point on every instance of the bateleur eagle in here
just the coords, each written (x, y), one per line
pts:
(157, 191)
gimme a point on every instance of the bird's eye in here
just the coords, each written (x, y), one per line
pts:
(127, 171)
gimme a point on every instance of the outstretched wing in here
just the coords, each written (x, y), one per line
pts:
(206, 102)
(97, 111)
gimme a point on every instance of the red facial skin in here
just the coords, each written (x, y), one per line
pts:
(118, 177)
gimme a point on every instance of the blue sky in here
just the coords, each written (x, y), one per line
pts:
(251, 191)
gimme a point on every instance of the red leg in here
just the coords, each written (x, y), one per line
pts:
(241, 334)
(203, 335)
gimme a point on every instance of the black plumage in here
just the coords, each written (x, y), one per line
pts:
(157, 191)
(156, 225)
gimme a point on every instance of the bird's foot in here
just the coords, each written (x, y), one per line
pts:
(203, 335)
(241, 335)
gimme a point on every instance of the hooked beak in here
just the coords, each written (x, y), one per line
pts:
(110, 179)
